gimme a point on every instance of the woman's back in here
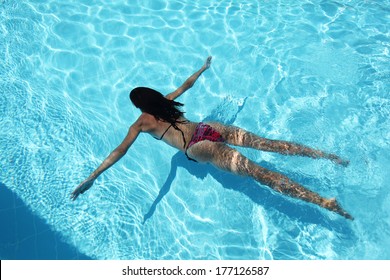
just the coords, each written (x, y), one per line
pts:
(178, 137)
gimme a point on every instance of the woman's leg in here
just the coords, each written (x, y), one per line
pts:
(239, 137)
(229, 159)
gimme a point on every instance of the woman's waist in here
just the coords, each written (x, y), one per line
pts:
(180, 136)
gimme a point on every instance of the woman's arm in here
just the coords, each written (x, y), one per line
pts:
(190, 81)
(114, 156)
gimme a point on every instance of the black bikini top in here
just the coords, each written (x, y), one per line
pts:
(175, 127)
(162, 136)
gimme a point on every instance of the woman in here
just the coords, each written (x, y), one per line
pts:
(208, 143)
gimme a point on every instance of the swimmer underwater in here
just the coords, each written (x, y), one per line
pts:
(210, 143)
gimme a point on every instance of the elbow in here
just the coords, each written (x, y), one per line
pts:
(189, 84)
(121, 151)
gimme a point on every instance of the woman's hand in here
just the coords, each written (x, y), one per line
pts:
(190, 81)
(83, 187)
(207, 63)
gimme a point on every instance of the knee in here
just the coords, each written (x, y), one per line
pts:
(231, 161)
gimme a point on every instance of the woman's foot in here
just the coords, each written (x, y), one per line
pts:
(338, 160)
(332, 205)
(207, 63)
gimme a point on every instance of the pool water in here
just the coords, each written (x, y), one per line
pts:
(313, 72)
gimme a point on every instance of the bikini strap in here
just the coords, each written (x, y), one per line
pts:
(162, 136)
(185, 144)
(188, 157)
(182, 134)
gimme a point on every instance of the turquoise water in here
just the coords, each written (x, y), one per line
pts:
(314, 72)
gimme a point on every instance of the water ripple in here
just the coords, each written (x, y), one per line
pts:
(310, 72)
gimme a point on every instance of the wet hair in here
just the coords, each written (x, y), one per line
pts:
(154, 103)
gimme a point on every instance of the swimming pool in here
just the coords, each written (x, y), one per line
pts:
(314, 72)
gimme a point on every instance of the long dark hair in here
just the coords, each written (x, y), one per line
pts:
(154, 103)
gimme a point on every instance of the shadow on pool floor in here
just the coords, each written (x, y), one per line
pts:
(261, 195)
(25, 236)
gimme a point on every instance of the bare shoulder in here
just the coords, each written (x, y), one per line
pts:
(145, 123)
